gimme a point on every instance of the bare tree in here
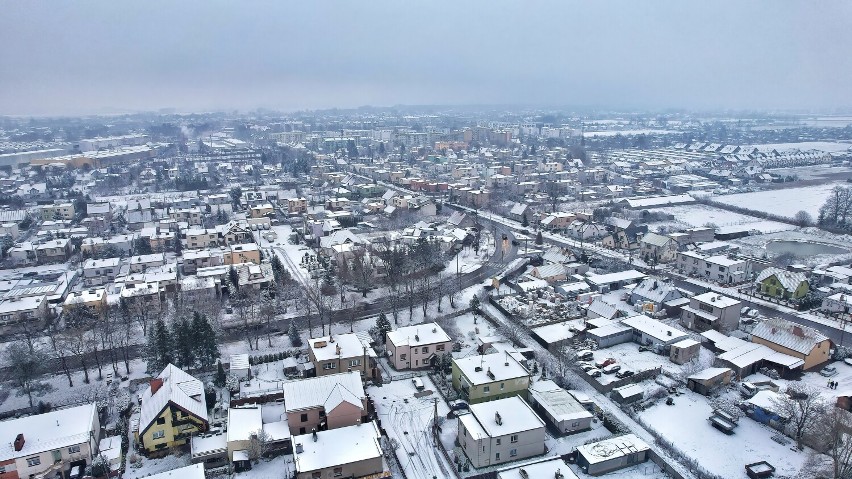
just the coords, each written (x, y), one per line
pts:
(800, 405)
(803, 218)
(258, 444)
(363, 272)
(26, 370)
(832, 433)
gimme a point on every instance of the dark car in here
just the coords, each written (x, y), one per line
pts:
(624, 374)
(458, 406)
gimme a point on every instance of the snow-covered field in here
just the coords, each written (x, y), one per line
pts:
(755, 245)
(785, 202)
(685, 424)
(700, 215)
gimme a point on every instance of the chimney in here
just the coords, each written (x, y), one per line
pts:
(498, 418)
(19, 442)
(797, 330)
(299, 448)
(156, 384)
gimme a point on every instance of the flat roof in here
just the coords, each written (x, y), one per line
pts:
(612, 448)
(335, 447)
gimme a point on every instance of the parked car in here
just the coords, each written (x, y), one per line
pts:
(585, 355)
(595, 373)
(418, 383)
(848, 361)
(587, 367)
(624, 374)
(459, 405)
(612, 368)
(828, 371)
(604, 363)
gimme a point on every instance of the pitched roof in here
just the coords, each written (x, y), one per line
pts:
(801, 339)
(427, 333)
(656, 290)
(49, 431)
(788, 279)
(314, 392)
(655, 239)
(180, 389)
(335, 447)
(339, 394)
(514, 413)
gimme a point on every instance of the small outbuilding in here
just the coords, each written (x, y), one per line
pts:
(684, 351)
(627, 394)
(612, 454)
(240, 366)
(709, 379)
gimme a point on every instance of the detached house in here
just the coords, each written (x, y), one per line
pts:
(490, 377)
(418, 346)
(780, 283)
(352, 451)
(794, 340)
(49, 444)
(655, 248)
(501, 431)
(343, 353)
(325, 402)
(711, 311)
(173, 409)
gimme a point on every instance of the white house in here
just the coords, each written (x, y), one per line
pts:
(501, 431)
(711, 311)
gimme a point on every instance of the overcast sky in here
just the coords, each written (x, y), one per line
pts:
(92, 57)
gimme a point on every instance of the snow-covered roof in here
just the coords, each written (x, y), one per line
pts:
(709, 373)
(315, 392)
(786, 334)
(49, 431)
(656, 239)
(609, 278)
(195, 471)
(515, 416)
(417, 335)
(545, 469)
(766, 399)
(180, 389)
(550, 270)
(558, 403)
(612, 448)
(243, 422)
(501, 366)
(335, 447)
(603, 309)
(716, 299)
(656, 290)
(655, 329)
(239, 361)
(341, 346)
(788, 279)
(553, 333)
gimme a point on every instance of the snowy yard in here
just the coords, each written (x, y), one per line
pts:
(700, 215)
(685, 425)
(785, 202)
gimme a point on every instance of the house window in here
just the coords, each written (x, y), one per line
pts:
(439, 347)
(575, 424)
(161, 420)
(425, 349)
(402, 357)
(355, 362)
(33, 461)
(316, 475)
(513, 453)
(304, 418)
(338, 471)
(2, 469)
(73, 449)
(486, 389)
(328, 366)
(497, 456)
(502, 386)
(514, 438)
(498, 441)
(159, 434)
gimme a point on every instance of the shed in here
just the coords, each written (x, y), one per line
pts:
(610, 335)
(612, 454)
(240, 366)
(627, 394)
(684, 351)
(705, 381)
(559, 407)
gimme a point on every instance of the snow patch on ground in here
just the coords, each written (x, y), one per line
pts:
(785, 202)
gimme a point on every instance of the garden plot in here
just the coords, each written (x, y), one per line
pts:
(784, 202)
(700, 215)
(685, 425)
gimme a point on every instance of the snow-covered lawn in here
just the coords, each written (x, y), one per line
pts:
(275, 468)
(146, 466)
(785, 202)
(685, 425)
(700, 215)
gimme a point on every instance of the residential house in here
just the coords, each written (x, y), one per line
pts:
(22, 309)
(711, 311)
(356, 453)
(93, 299)
(500, 431)
(343, 353)
(552, 273)
(650, 332)
(417, 346)
(173, 409)
(655, 248)
(489, 377)
(793, 339)
(653, 293)
(202, 258)
(198, 238)
(242, 253)
(61, 211)
(782, 284)
(97, 272)
(49, 444)
(325, 402)
(142, 263)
